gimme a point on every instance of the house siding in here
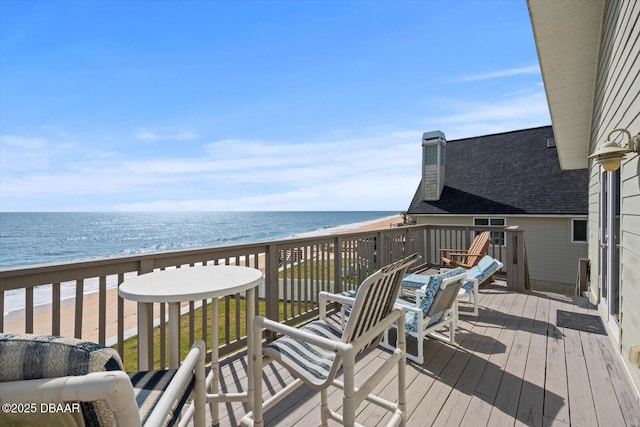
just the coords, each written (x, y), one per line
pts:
(617, 105)
(552, 257)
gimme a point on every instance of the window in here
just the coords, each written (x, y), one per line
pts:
(497, 237)
(579, 231)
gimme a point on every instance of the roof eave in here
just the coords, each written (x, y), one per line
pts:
(567, 36)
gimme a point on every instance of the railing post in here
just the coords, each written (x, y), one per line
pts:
(516, 262)
(146, 266)
(271, 287)
(467, 237)
(427, 244)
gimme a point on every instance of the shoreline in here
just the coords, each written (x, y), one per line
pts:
(42, 318)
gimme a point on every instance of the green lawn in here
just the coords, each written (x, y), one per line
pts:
(131, 344)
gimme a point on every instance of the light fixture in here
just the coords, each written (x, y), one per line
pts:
(611, 153)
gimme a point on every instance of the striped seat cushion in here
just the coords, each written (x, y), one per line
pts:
(148, 387)
(311, 363)
(26, 357)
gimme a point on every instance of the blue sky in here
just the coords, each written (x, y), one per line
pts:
(249, 105)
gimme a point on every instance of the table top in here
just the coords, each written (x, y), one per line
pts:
(190, 283)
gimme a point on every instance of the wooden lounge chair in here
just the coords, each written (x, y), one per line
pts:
(468, 258)
(434, 308)
(86, 385)
(315, 352)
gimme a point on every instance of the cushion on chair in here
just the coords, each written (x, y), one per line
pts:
(148, 388)
(472, 273)
(312, 364)
(26, 357)
(430, 291)
(415, 280)
(486, 262)
(486, 267)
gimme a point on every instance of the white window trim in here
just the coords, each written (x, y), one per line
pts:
(489, 218)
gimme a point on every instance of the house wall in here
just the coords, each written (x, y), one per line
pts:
(617, 105)
(552, 257)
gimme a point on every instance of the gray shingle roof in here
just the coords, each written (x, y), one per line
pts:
(507, 173)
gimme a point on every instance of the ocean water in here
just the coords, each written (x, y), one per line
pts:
(42, 238)
(37, 238)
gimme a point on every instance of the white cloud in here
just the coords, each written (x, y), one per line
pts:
(18, 153)
(364, 172)
(378, 172)
(145, 135)
(468, 119)
(27, 143)
(531, 69)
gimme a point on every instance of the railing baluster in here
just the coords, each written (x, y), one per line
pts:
(305, 253)
(163, 335)
(120, 319)
(299, 278)
(79, 301)
(192, 322)
(55, 309)
(102, 310)
(2, 311)
(238, 318)
(226, 320)
(203, 323)
(28, 321)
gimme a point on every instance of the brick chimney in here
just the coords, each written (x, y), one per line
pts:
(433, 159)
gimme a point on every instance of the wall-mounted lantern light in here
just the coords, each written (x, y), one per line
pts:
(612, 153)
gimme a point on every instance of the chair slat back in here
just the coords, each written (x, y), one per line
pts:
(447, 294)
(375, 299)
(478, 249)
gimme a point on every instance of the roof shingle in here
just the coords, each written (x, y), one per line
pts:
(511, 173)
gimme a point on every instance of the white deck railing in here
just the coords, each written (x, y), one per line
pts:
(295, 271)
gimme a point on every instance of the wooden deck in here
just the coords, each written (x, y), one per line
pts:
(512, 366)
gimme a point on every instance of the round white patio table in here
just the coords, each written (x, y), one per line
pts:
(192, 284)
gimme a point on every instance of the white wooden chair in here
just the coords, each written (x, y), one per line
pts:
(88, 380)
(315, 352)
(435, 308)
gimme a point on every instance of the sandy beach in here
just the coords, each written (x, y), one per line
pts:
(14, 321)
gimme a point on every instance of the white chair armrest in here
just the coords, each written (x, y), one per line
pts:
(112, 386)
(324, 297)
(322, 342)
(192, 365)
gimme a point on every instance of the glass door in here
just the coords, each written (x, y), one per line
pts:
(609, 248)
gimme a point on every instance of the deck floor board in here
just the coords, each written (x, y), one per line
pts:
(511, 366)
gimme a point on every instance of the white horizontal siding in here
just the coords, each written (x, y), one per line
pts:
(551, 255)
(617, 105)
